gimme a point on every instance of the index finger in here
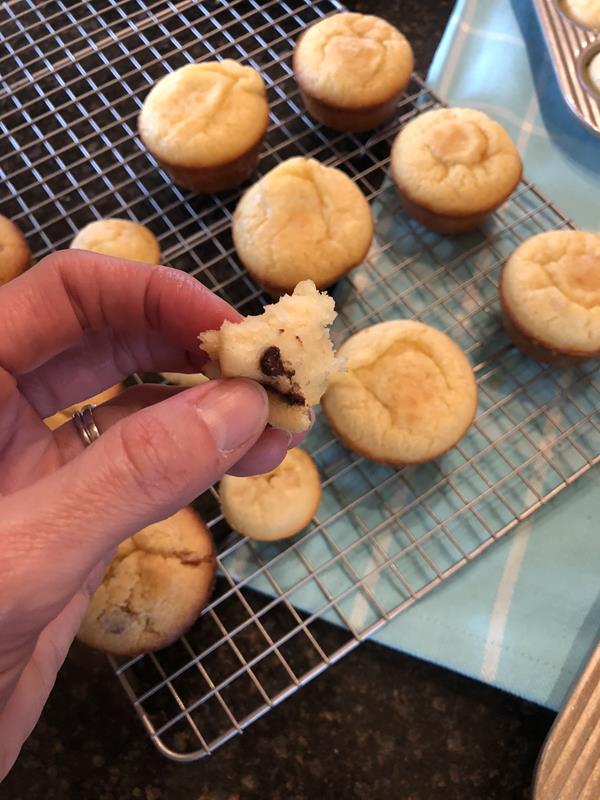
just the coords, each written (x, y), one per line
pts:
(48, 308)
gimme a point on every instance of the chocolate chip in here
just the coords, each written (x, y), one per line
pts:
(115, 622)
(292, 398)
(271, 363)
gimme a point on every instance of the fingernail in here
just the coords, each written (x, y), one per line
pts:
(94, 579)
(284, 437)
(234, 411)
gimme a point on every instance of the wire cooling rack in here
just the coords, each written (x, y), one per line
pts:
(73, 78)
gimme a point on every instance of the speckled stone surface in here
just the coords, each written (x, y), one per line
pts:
(378, 724)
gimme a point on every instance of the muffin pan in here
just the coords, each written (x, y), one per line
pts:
(572, 47)
(382, 538)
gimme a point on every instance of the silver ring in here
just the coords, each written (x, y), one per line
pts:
(86, 424)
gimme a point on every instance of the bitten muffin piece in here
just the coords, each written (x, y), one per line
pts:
(302, 220)
(15, 256)
(585, 12)
(408, 395)
(120, 238)
(351, 70)
(204, 124)
(275, 505)
(452, 167)
(58, 419)
(550, 296)
(154, 588)
(286, 348)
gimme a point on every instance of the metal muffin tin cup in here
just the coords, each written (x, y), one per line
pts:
(583, 63)
(572, 45)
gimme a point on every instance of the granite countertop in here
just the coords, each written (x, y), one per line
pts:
(378, 724)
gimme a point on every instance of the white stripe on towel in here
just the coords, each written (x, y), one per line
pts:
(495, 636)
(456, 50)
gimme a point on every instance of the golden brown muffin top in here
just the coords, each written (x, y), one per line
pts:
(408, 393)
(153, 589)
(302, 220)
(204, 115)
(353, 60)
(551, 287)
(15, 255)
(120, 238)
(274, 505)
(455, 161)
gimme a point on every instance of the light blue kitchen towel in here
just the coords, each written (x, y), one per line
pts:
(525, 614)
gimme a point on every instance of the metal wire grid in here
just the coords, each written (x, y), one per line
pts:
(73, 78)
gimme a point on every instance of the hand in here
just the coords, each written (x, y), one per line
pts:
(72, 326)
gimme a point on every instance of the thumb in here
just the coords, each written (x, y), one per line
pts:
(142, 469)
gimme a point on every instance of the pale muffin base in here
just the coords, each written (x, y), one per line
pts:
(278, 290)
(396, 463)
(350, 120)
(210, 180)
(444, 223)
(535, 348)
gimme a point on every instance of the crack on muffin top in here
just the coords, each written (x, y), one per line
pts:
(204, 115)
(551, 286)
(354, 60)
(302, 220)
(455, 161)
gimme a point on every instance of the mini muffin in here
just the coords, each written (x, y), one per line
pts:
(585, 12)
(204, 124)
(351, 70)
(453, 167)
(120, 238)
(275, 505)
(15, 256)
(408, 395)
(302, 220)
(550, 296)
(154, 588)
(286, 348)
(58, 419)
